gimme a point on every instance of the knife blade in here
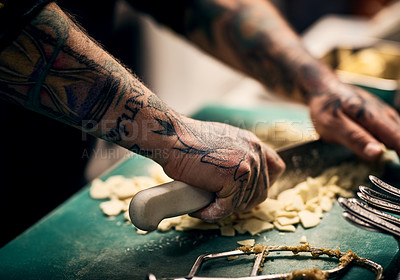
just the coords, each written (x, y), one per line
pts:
(150, 206)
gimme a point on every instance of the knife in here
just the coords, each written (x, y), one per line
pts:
(150, 206)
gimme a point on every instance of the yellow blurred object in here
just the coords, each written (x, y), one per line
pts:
(381, 62)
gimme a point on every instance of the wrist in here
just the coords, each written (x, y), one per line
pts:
(316, 80)
(143, 124)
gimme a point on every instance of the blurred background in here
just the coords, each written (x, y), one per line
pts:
(188, 79)
(44, 163)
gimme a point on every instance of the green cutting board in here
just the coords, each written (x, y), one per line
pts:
(76, 241)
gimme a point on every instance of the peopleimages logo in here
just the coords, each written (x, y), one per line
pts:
(126, 130)
(115, 153)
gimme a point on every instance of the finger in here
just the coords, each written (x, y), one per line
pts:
(386, 128)
(274, 164)
(379, 119)
(236, 201)
(227, 201)
(271, 167)
(261, 190)
(260, 194)
(217, 210)
(357, 139)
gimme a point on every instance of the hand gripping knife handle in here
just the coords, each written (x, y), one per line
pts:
(150, 206)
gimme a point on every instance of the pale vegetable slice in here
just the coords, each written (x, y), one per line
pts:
(312, 204)
(314, 184)
(157, 173)
(227, 231)
(267, 210)
(284, 221)
(255, 226)
(270, 205)
(227, 221)
(126, 216)
(189, 223)
(239, 227)
(309, 189)
(245, 242)
(168, 223)
(287, 214)
(141, 232)
(303, 190)
(280, 227)
(296, 204)
(325, 203)
(340, 191)
(124, 189)
(287, 195)
(127, 202)
(144, 182)
(303, 239)
(114, 180)
(309, 219)
(267, 216)
(112, 207)
(99, 189)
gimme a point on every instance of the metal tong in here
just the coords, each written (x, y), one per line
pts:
(368, 214)
(258, 263)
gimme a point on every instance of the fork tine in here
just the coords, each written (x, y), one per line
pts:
(383, 215)
(360, 223)
(369, 217)
(379, 203)
(384, 186)
(380, 195)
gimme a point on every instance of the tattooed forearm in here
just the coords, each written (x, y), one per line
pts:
(51, 77)
(253, 37)
(56, 69)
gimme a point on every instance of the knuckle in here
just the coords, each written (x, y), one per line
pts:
(330, 121)
(280, 166)
(243, 171)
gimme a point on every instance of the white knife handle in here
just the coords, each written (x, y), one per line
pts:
(148, 207)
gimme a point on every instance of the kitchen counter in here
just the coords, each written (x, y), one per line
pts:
(76, 241)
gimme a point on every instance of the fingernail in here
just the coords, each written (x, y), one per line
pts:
(373, 150)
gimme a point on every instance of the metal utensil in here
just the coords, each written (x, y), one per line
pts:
(367, 214)
(260, 258)
(369, 218)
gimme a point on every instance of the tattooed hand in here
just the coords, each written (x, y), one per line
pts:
(223, 159)
(351, 116)
(253, 37)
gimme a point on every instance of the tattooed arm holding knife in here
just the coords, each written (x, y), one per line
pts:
(54, 68)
